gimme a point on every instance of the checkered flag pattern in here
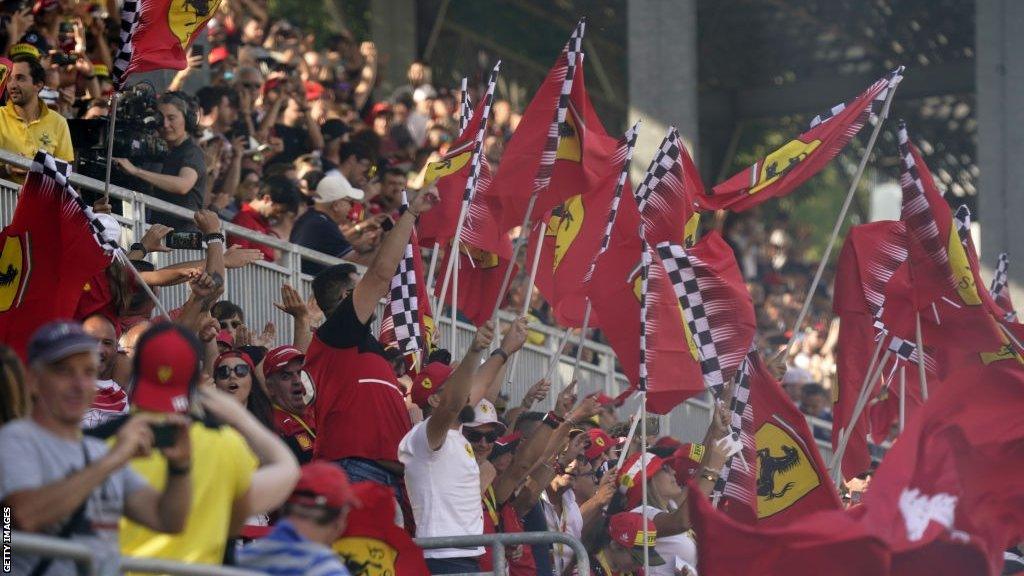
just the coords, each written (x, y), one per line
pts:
(916, 211)
(905, 350)
(962, 218)
(123, 58)
(573, 50)
(466, 108)
(664, 160)
(877, 103)
(58, 173)
(478, 145)
(1002, 277)
(404, 304)
(741, 422)
(630, 142)
(645, 272)
(681, 273)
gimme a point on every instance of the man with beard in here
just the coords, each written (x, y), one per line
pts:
(293, 420)
(26, 124)
(278, 197)
(441, 471)
(110, 400)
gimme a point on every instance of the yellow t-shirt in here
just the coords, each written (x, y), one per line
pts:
(49, 132)
(222, 469)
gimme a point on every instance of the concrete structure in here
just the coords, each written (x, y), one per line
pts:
(393, 29)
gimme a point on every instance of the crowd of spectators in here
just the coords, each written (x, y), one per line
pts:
(206, 433)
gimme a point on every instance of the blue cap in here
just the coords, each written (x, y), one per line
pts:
(58, 340)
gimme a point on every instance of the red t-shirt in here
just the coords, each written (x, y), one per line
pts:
(297, 431)
(360, 407)
(520, 556)
(253, 220)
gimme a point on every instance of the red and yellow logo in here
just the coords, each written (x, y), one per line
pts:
(452, 162)
(781, 161)
(15, 269)
(570, 146)
(184, 17)
(366, 556)
(564, 226)
(784, 471)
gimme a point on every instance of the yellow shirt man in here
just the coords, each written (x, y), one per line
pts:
(222, 470)
(48, 132)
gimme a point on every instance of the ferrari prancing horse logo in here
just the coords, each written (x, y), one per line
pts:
(15, 269)
(784, 470)
(184, 17)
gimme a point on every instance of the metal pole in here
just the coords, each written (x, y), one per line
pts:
(862, 401)
(643, 476)
(453, 254)
(842, 218)
(142, 283)
(529, 293)
(455, 299)
(520, 241)
(583, 338)
(920, 360)
(629, 438)
(498, 559)
(110, 146)
(430, 274)
(903, 397)
(556, 356)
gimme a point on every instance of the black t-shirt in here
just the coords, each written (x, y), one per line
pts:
(316, 231)
(343, 329)
(187, 154)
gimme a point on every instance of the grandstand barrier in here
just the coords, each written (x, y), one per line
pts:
(256, 287)
(91, 565)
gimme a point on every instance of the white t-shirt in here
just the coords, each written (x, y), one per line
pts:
(678, 551)
(110, 401)
(570, 522)
(444, 489)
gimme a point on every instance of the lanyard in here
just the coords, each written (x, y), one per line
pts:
(299, 420)
(491, 505)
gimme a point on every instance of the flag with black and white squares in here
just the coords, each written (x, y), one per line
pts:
(664, 160)
(572, 51)
(629, 142)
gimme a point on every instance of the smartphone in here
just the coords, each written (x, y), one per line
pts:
(164, 435)
(184, 241)
(197, 50)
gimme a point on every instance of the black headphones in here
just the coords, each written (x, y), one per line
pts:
(189, 104)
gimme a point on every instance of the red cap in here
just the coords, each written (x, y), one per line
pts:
(167, 365)
(224, 336)
(378, 109)
(668, 442)
(429, 381)
(323, 484)
(685, 461)
(235, 354)
(218, 54)
(630, 480)
(600, 442)
(505, 444)
(629, 529)
(314, 90)
(279, 357)
(45, 6)
(270, 84)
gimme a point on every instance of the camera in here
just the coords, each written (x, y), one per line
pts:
(135, 135)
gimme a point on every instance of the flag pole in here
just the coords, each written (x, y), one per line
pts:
(643, 476)
(1010, 335)
(837, 457)
(431, 269)
(903, 397)
(920, 360)
(455, 297)
(842, 218)
(516, 246)
(553, 363)
(110, 148)
(583, 338)
(863, 393)
(123, 257)
(529, 293)
(629, 437)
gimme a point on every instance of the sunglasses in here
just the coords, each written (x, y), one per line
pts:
(225, 324)
(474, 436)
(222, 372)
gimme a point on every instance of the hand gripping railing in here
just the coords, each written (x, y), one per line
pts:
(497, 542)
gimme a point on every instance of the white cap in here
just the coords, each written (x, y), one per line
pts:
(796, 375)
(484, 414)
(333, 188)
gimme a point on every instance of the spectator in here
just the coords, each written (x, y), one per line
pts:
(815, 401)
(389, 199)
(26, 123)
(356, 387)
(235, 373)
(182, 177)
(293, 419)
(353, 162)
(230, 316)
(14, 396)
(318, 228)
(57, 482)
(312, 519)
(110, 400)
(239, 467)
(442, 476)
(298, 131)
(620, 550)
(278, 198)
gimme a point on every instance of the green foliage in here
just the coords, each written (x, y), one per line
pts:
(317, 16)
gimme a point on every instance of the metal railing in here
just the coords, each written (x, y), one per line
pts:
(497, 542)
(256, 287)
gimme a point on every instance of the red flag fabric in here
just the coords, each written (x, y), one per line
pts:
(156, 34)
(53, 245)
(372, 543)
(480, 276)
(795, 162)
(949, 497)
(666, 195)
(532, 153)
(577, 226)
(614, 292)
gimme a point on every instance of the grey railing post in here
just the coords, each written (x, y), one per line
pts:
(498, 559)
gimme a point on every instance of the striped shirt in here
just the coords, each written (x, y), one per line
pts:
(285, 552)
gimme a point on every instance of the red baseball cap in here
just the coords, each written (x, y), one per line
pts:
(218, 54)
(600, 442)
(685, 461)
(668, 442)
(279, 357)
(630, 479)
(324, 484)
(629, 530)
(235, 354)
(429, 381)
(166, 365)
(314, 90)
(505, 444)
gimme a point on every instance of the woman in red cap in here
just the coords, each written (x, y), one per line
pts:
(235, 373)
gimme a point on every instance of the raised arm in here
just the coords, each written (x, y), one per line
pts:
(456, 390)
(293, 305)
(377, 280)
(488, 379)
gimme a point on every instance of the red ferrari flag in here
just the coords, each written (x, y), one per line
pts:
(53, 245)
(576, 229)
(372, 543)
(547, 136)
(407, 322)
(798, 160)
(156, 34)
(665, 196)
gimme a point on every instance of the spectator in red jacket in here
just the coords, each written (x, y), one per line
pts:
(278, 197)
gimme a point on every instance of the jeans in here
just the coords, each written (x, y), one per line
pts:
(453, 565)
(361, 469)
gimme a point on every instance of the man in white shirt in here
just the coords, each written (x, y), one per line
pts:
(441, 472)
(110, 400)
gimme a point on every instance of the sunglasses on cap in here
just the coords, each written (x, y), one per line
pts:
(222, 372)
(474, 436)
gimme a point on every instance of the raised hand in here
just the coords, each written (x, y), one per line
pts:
(536, 393)
(207, 221)
(153, 239)
(266, 338)
(515, 336)
(292, 303)
(236, 257)
(566, 399)
(483, 337)
(425, 200)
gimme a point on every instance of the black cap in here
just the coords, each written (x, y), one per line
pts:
(58, 340)
(334, 128)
